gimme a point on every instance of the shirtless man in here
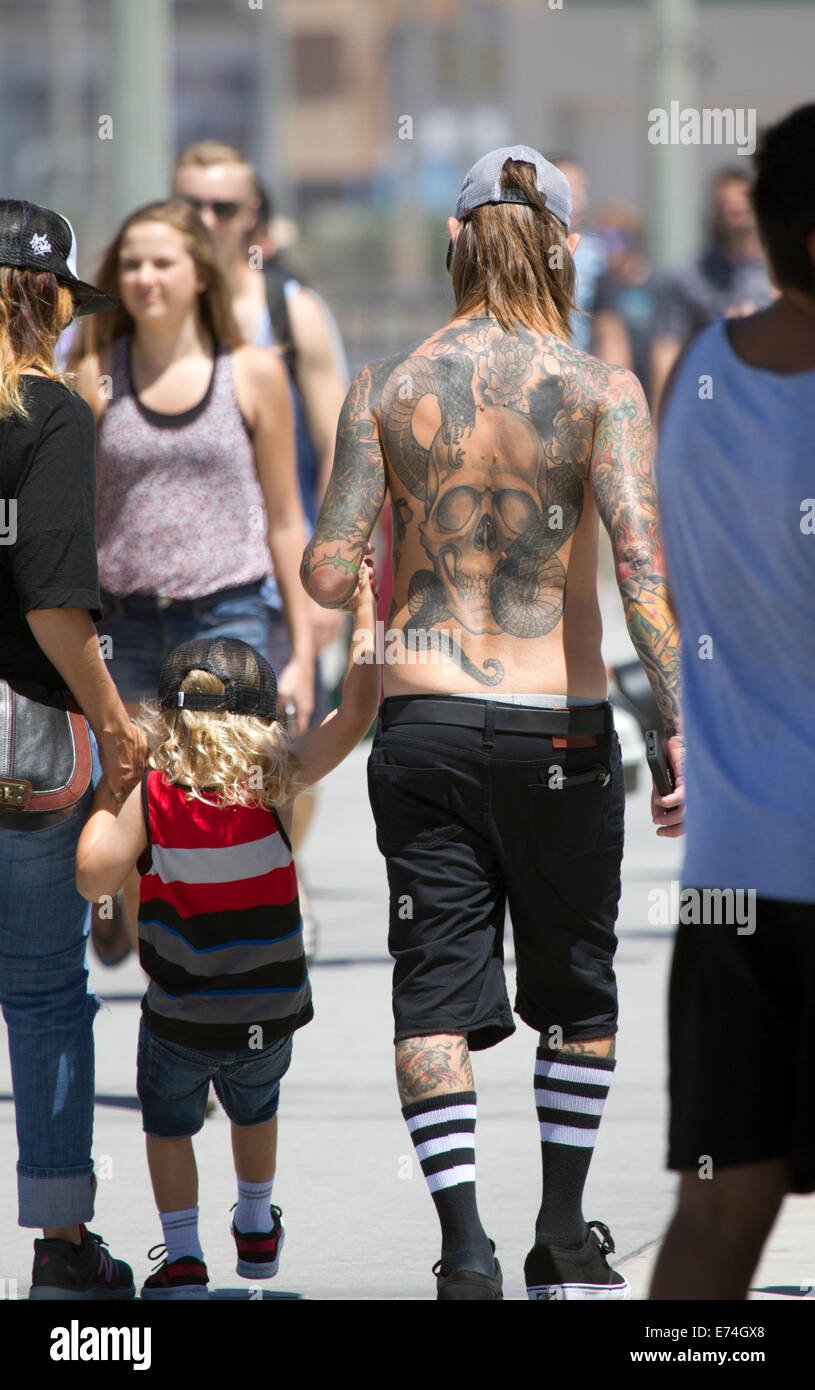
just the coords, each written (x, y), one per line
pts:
(495, 772)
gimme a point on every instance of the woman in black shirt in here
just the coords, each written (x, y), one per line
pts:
(49, 597)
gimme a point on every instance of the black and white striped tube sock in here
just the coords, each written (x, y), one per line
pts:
(443, 1132)
(570, 1091)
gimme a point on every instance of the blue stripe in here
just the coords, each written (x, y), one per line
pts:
(202, 950)
(218, 993)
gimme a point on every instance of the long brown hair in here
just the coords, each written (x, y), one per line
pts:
(514, 260)
(35, 307)
(214, 301)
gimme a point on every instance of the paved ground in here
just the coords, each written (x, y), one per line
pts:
(360, 1222)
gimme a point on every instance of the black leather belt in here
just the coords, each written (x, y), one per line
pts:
(423, 709)
(32, 820)
(156, 605)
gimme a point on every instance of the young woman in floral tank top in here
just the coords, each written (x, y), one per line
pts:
(196, 468)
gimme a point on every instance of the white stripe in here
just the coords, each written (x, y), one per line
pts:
(559, 1071)
(564, 1134)
(226, 864)
(451, 1177)
(441, 1117)
(444, 1144)
(562, 1100)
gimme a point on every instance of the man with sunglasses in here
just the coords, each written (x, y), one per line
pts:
(271, 309)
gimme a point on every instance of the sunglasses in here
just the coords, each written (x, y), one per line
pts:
(224, 212)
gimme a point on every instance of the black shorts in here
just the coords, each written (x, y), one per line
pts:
(742, 1042)
(470, 820)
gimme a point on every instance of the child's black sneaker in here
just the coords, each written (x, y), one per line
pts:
(467, 1285)
(66, 1271)
(259, 1251)
(552, 1272)
(184, 1278)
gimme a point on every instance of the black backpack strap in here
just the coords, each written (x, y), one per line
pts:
(279, 314)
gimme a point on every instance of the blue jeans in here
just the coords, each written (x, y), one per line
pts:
(140, 643)
(173, 1083)
(49, 1014)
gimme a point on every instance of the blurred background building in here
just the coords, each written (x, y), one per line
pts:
(365, 114)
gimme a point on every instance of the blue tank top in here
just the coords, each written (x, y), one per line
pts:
(736, 487)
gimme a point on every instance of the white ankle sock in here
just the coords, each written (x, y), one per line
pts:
(253, 1212)
(181, 1234)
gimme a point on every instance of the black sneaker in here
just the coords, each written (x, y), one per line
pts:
(552, 1272)
(468, 1285)
(63, 1270)
(259, 1251)
(186, 1278)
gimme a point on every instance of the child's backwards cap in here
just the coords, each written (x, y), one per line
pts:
(249, 682)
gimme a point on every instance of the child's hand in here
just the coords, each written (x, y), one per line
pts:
(366, 593)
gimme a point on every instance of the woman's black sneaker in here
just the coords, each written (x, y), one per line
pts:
(552, 1272)
(63, 1270)
(467, 1285)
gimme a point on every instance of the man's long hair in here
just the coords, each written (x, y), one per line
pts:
(35, 307)
(514, 261)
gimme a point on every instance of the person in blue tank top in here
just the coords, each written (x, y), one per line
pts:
(735, 482)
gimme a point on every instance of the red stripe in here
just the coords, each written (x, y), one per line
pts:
(191, 824)
(274, 889)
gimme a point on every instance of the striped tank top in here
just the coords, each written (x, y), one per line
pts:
(220, 933)
(180, 510)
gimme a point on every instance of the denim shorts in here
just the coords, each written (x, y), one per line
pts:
(470, 822)
(173, 1084)
(138, 644)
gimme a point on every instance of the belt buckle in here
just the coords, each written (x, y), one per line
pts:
(163, 602)
(14, 793)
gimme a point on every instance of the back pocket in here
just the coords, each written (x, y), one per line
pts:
(411, 806)
(566, 810)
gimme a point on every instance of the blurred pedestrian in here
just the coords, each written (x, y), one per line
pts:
(274, 309)
(728, 278)
(209, 829)
(495, 775)
(50, 658)
(195, 459)
(625, 303)
(589, 256)
(735, 479)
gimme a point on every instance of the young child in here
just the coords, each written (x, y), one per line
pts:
(220, 934)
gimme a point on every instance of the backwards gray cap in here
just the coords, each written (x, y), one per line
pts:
(483, 183)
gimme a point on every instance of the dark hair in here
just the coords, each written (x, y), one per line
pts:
(514, 260)
(784, 197)
(729, 173)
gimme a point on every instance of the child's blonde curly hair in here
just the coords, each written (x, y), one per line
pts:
(242, 760)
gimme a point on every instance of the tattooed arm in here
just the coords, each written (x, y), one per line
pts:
(352, 502)
(622, 483)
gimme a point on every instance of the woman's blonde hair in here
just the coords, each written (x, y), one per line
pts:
(241, 759)
(514, 260)
(214, 301)
(35, 307)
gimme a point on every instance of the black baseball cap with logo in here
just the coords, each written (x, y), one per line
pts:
(36, 238)
(250, 686)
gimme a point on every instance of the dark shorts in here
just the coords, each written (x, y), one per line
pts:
(742, 1042)
(136, 644)
(173, 1083)
(470, 821)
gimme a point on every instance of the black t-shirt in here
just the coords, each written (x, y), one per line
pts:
(47, 522)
